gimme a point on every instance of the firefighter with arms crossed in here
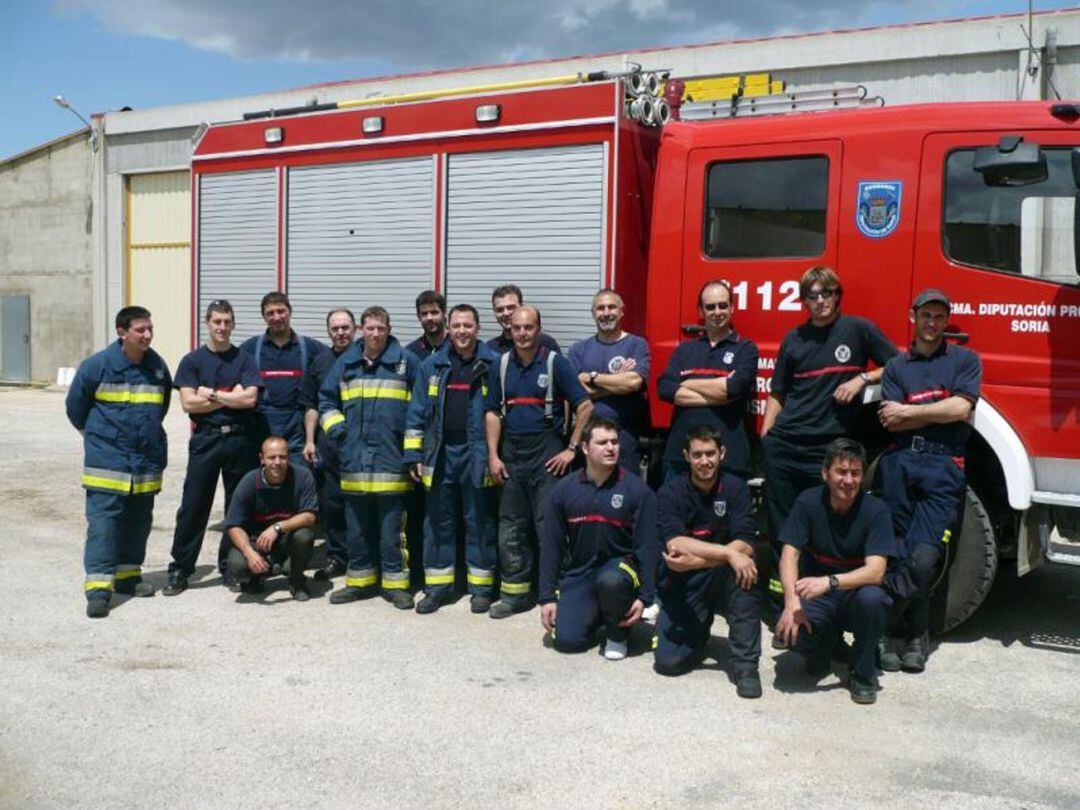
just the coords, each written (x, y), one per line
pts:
(928, 393)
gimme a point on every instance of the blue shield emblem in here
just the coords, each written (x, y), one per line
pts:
(879, 207)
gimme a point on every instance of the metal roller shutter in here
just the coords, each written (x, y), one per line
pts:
(360, 234)
(238, 215)
(534, 218)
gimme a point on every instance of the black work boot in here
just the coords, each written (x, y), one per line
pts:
(888, 659)
(401, 599)
(333, 568)
(479, 603)
(299, 590)
(97, 607)
(505, 608)
(748, 683)
(134, 588)
(862, 692)
(914, 657)
(176, 585)
(431, 603)
(351, 593)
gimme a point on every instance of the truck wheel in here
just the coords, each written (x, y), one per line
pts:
(972, 566)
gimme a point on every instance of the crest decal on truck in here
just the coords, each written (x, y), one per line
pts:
(878, 213)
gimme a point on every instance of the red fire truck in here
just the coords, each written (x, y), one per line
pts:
(571, 184)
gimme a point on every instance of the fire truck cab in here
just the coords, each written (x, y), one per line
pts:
(978, 200)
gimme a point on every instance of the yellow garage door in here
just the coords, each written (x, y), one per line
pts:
(159, 257)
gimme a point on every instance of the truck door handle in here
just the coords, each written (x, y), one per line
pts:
(959, 337)
(693, 329)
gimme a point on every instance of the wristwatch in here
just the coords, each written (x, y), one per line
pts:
(213, 396)
(278, 529)
(572, 447)
(865, 377)
(834, 583)
(592, 377)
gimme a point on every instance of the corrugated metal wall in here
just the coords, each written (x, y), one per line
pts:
(534, 218)
(238, 223)
(360, 234)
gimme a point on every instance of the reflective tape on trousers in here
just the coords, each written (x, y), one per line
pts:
(395, 580)
(366, 482)
(514, 588)
(439, 576)
(480, 576)
(361, 577)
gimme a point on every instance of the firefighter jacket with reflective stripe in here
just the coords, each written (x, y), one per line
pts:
(119, 406)
(362, 410)
(424, 423)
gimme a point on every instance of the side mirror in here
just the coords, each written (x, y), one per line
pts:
(1012, 163)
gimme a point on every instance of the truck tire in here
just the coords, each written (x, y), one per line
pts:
(972, 566)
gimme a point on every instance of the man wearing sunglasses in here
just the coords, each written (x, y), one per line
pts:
(821, 371)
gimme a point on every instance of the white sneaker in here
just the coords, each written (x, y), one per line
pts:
(651, 613)
(614, 650)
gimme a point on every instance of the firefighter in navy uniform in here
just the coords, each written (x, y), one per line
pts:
(711, 381)
(319, 451)
(707, 526)
(446, 448)
(526, 448)
(282, 357)
(431, 312)
(362, 407)
(928, 395)
(270, 521)
(815, 395)
(218, 390)
(118, 400)
(838, 544)
(598, 551)
(504, 303)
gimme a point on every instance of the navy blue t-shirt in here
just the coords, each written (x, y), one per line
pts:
(526, 389)
(718, 515)
(459, 386)
(423, 349)
(279, 368)
(221, 371)
(812, 362)
(916, 379)
(586, 525)
(257, 504)
(734, 358)
(592, 354)
(833, 543)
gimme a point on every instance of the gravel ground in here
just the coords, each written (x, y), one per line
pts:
(213, 699)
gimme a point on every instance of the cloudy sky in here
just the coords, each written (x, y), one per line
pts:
(106, 54)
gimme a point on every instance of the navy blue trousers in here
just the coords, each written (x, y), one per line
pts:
(592, 597)
(863, 612)
(117, 526)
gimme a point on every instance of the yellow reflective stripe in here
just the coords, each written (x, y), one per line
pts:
(483, 390)
(375, 486)
(138, 394)
(145, 487)
(478, 579)
(129, 573)
(97, 585)
(414, 444)
(438, 579)
(945, 538)
(488, 480)
(426, 481)
(433, 390)
(147, 399)
(374, 389)
(331, 418)
(633, 574)
(97, 482)
(398, 581)
(776, 586)
(514, 588)
(655, 641)
(361, 582)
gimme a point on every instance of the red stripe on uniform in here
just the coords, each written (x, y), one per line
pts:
(838, 562)
(458, 387)
(929, 394)
(292, 372)
(531, 401)
(598, 519)
(821, 372)
(707, 372)
(701, 532)
(271, 516)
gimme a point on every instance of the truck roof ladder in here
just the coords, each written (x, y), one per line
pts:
(743, 106)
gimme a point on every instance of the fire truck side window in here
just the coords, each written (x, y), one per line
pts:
(1024, 229)
(770, 208)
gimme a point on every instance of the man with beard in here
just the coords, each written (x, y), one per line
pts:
(613, 366)
(505, 301)
(431, 312)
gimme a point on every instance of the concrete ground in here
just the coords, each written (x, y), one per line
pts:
(213, 699)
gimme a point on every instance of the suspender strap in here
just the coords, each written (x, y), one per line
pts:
(549, 396)
(504, 362)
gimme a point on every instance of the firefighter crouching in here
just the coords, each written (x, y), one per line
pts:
(928, 393)
(446, 450)
(599, 547)
(118, 400)
(362, 408)
(525, 411)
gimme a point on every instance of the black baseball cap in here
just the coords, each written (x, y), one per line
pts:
(931, 296)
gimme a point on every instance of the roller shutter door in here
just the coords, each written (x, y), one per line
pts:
(360, 234)
(237, 246)
(534, 218)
